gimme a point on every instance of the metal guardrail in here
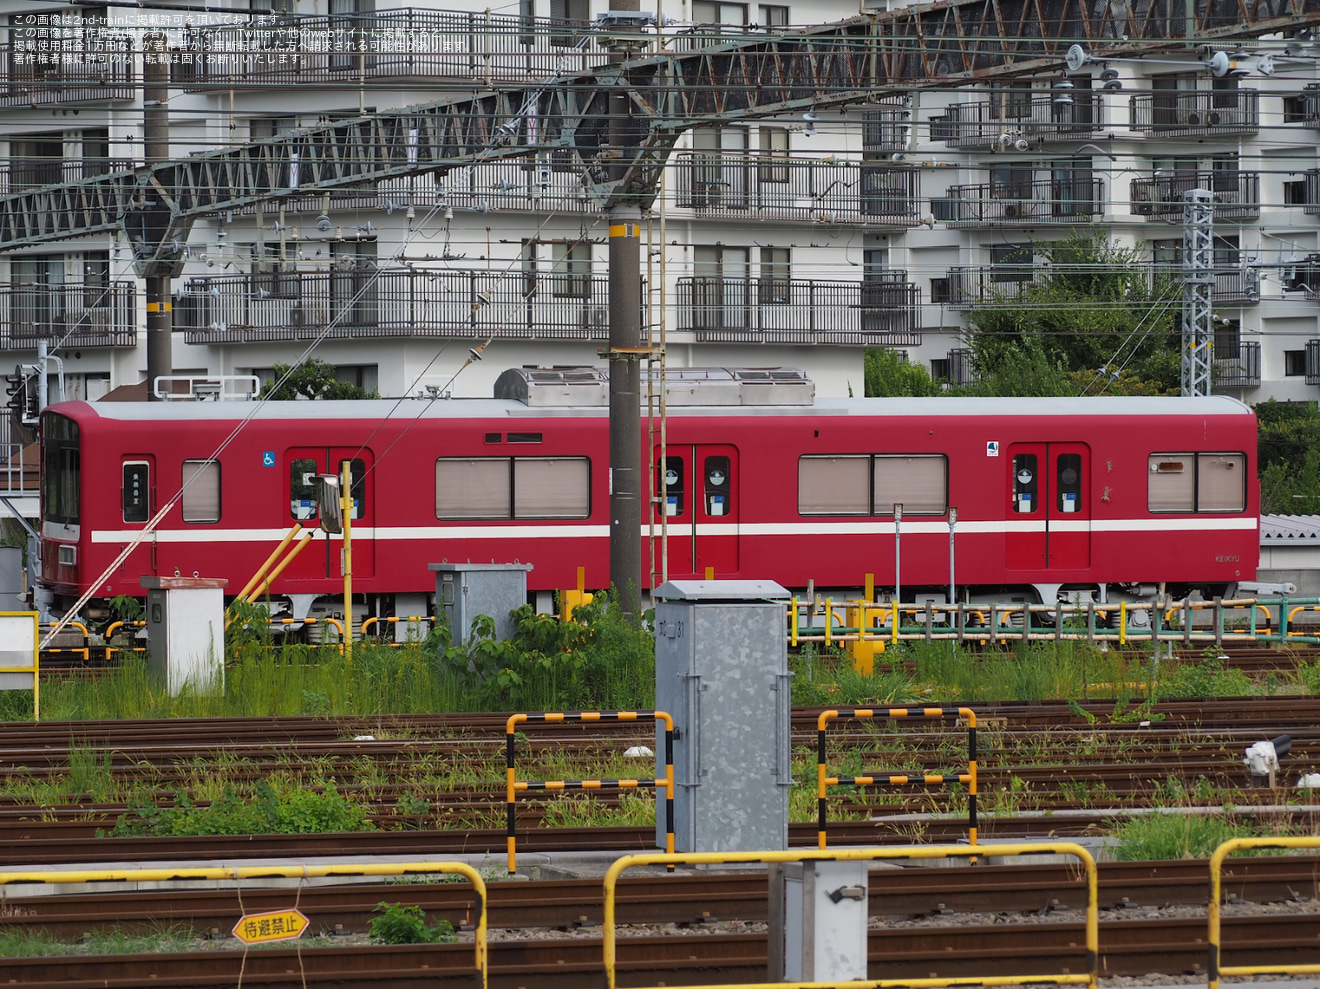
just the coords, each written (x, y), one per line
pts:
(1074, 200)
(985, 123)
(880, 311)
(72, 314)
(1235, 195)
(44, 71)
(1175, 623)
(1008, 283)
(1236, 367)
(1196, 113)
(776, 186)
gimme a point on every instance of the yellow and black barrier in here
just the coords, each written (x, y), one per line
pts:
(237, 873)
(823, 780)
(84, 651)
(514, 785)
(368, 622)
(1214, 967)
(1089, 978)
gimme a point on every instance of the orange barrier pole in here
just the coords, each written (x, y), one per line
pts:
(261, 570)
(269, 579)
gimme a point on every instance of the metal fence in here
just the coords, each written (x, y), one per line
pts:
(1313, 362)
(996, 123)
(775, 186)
(410, 45)
(42, 72)
(366, 302)
(1236, 195)
(1068, 200)
(878, 311)
(19, 176)
(1237, 367)
(1196, 113)
(70, 315)
(1011, 283)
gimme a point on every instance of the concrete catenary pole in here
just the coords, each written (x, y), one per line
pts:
(155, 150)
(625, 354)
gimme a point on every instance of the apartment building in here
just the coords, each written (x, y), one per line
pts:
(799, 240)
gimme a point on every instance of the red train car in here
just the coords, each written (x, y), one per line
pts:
(1097, 497)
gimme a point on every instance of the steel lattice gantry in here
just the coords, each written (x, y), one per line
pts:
(943, 44)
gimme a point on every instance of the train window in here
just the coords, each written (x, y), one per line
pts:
(357, 474)
(302, 488)
(918, 482)
(524, 437)
(1221, 482)
(1068, 483)
(494, 437)
(61, 469)
(719, 490)
(1171, 482)
(551, 487)
(201, 495)
(674, 478)
(1026, 484)
(473, 488)
(137, 491)
(834, 485)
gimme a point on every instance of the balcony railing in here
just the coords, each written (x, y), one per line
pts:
(880, 311)
(69, 315)
(779, 187)
(885, 129)
(367, 303)
(1008, 284)
(986, 124)
(1199, 113)
(408, 45)
(1236, 195)
(1313, 362)
(1071, 200)
(44, 72)
(17, 177)
(499, 185)
(1237, 367)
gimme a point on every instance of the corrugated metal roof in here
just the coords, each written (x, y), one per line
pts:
(1283, 529)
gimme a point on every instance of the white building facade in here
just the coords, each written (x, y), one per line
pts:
(796, 241)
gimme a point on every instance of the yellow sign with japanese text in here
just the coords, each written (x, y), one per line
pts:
(278, 925)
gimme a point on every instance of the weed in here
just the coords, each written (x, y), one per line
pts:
(398, 924)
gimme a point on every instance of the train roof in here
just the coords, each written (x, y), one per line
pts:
(408, 409)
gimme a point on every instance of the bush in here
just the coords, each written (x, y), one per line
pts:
(297, 811)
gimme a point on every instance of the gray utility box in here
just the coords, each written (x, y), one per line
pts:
(186, 632)
(721, 671)
(465, 590)
(817, 922)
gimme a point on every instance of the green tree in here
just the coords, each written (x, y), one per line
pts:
(313, 378)
(1091, 321)
(1288, 450)
(886, 375)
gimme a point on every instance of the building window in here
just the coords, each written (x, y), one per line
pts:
(717, 12)
(569, 21)
(939, 370)
(1011, 263)
(772, 15)
(773, 166)
(940, 293)
(1294, 193)
(201, 495)
(1294, 363)
(36, 161)
(571, 272)
(773, 287)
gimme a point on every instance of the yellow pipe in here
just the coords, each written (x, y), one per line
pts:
(270, 577)
(261, 570)
(346, 509)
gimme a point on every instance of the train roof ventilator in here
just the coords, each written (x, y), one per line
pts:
(588, 387)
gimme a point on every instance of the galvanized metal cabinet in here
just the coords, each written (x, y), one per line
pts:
(721, 661)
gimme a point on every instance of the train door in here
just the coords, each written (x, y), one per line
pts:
(137, 500)
(1049, 514)
(702, 505)
(325, 560)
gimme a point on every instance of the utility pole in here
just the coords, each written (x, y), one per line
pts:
(625, 352)
(1198, 282)
(155, 151)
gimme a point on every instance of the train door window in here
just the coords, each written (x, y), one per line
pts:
(551, 488)
(302, 488)
(1068, 483)
(1026, 484)
(917, 482)
(718, 486)
(201, 495)
(357, 483)
(137, 491)
(472, 488)
(1221, 482)
(674, 486)
(834, 485)
(1171, 482)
